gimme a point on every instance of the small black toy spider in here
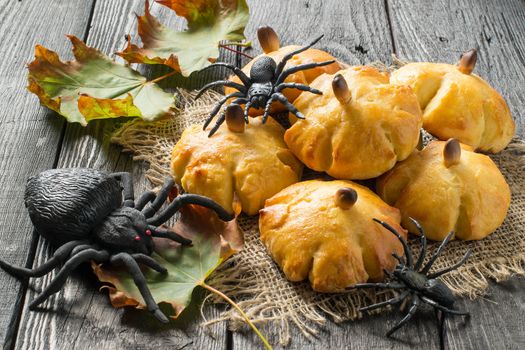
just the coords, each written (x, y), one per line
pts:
(416, 282)
(262, 87)
(83, 212)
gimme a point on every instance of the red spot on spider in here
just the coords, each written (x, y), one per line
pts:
(148, 232)
(137, 238)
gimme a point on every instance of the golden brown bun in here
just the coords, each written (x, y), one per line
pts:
(359, 139)
(470, 198)
(302, 77)
(309, 236)
(255, 164)
(458, 105)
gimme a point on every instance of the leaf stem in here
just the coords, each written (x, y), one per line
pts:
(236, 51)
(163, 77)
(239, 43)
(232, 303)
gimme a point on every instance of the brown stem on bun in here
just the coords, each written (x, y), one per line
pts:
(451, 152)
(345, 198)
(467, 62)
(268, 39)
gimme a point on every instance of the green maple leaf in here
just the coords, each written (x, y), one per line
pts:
(94, 86)
(209, 22)
(188, 267)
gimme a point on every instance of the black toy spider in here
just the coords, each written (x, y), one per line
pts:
(83, 212)
(262, 87)
(416, 282)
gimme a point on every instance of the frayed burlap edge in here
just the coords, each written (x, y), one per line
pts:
(254, 281)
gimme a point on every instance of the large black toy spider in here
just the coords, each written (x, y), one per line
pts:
(262, 87)
(416, 282)
(92, 215)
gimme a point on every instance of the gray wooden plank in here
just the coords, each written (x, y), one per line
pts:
(442, 30)
(495, 28)
(355, 32)
(80, 316)
(30, 133)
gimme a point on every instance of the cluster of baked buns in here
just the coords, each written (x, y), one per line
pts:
(365, 125)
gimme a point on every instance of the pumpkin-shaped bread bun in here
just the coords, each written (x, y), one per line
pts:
(271, 46)
(458, 104)
(251, 161)
(359, 127)
(324, 231)
(448, 187)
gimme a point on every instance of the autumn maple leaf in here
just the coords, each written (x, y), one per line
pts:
(94, 86)
(209, 23)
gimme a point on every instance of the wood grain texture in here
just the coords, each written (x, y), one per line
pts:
(30, 133)
(80, 316)
(354, 32)
(442, 30)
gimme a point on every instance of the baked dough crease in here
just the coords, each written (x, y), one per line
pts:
(254, 164)
(324, 231)
(359, 127)
(448, 187)
(458, 104)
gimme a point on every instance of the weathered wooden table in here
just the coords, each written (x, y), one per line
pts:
(33, 139)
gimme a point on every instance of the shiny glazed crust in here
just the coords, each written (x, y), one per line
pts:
(458, 105)
(470, 198)
(309, 236)
(255, 164)
(362, 138)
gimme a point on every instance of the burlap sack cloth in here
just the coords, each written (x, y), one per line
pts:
(256, 283)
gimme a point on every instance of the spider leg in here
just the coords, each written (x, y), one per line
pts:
(58, 257)
(300, 67)
(186, 199)
(238, 72)
(161, 233)
(444, 308)
(65, 271)
(408, 253)
(222, 117)
(392, 285)
(218, 123)
(423, 239)
(287, 57)
(453, 267)
(127, 187)
(246, 111)
(161, 197)
(149, 262)
(144, 199)
(398, 258)
(82, 247)
(281, 98)
(267, 108)
(437, 253)
(228, 83)
(408, 316)
(218, 106)
(297, 86)
(135, 272)
(393, 301)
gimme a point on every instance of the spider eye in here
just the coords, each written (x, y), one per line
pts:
(148, 232)
(137, 238)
